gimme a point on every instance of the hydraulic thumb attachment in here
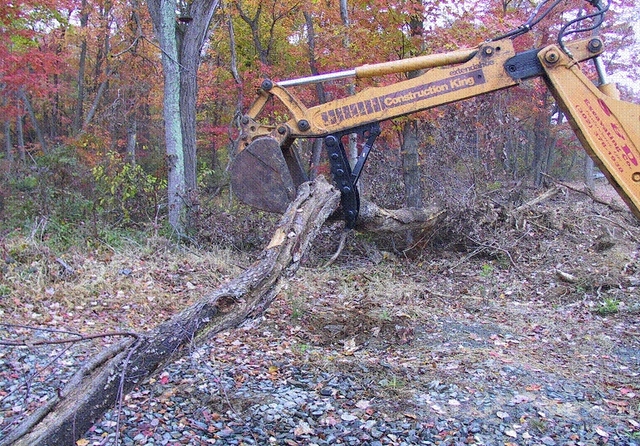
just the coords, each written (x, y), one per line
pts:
(267, 169)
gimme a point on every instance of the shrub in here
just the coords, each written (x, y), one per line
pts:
(126, 194)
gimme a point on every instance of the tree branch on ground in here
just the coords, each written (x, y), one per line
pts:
(589, 193)
(95, 387)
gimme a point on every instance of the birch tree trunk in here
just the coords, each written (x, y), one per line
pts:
(181, 47)
(171, 113)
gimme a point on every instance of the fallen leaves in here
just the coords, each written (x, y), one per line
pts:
(600, 431)
(511, 433)
(303, 428)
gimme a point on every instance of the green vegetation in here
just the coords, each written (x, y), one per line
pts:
(608, 307)
(58, 200)
(393, 383)
(486, 270)
(298, 307)
(4, 290)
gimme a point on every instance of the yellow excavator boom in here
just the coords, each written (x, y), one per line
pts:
(608, 128)
(266, 170)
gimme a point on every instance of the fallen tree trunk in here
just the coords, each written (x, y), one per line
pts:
(373, 218)
(102, 380)
(96, 387)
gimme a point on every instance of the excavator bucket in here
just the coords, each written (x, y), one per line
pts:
(261, 176)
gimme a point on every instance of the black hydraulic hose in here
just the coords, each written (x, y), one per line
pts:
(537, 16)
(598, 17)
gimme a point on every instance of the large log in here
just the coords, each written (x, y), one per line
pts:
(96, 387)
(114, 372)
(373, 218)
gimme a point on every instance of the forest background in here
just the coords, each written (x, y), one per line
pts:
(82, 85)
(119, 123)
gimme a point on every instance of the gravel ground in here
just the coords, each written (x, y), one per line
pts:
(238, 391)
(260, 385)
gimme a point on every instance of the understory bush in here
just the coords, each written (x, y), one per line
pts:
(126, 194)
(58, 196)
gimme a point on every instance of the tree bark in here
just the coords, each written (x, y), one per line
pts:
(7, 140)
(82, 64)
(588, 172)
(316, 144)
(34, 121)
(132, 138)
(164, 19)
(181, 56)
(191, 41)
(20, 136)
(375, 219)
(410, 165)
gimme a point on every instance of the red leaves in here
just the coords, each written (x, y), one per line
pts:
(164, 379)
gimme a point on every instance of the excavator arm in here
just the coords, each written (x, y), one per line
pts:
(266, 170)
(608, 128)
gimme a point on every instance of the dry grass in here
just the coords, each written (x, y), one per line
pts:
(132, 287)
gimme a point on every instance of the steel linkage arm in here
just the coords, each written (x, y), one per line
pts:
(608, 128)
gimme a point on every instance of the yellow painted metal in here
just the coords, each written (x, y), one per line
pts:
(454, 76)
(610, 90)
(608, 128)
(415, 63)
(480, 74)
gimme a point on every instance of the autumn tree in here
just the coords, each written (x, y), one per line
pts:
(181, 43)
(30, 63)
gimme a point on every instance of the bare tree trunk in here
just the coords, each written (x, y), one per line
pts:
(539, 143)
(313, 66)
(96, 102)
(191, 43)
(132, 137)
(317, 144)
(20, 136)
(7, 140)
(352, 144)
(163, 15)
(82, 64)
(34, 121)
(588, 172)
(410, 165)
(410, 142)
(181, 57)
